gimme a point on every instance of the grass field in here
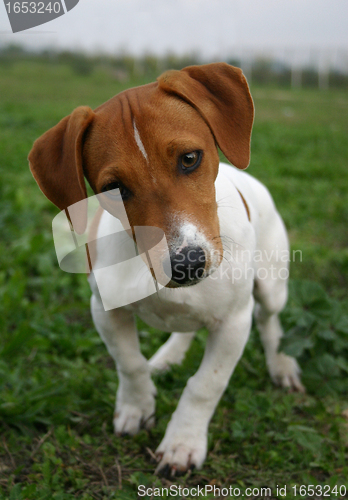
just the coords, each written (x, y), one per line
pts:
(57, 382)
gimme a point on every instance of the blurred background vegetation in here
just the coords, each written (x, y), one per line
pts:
(57, 382)
(123, 66)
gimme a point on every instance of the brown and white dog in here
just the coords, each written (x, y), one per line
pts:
(158, 144)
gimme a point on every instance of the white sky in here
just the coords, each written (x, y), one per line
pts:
(213, 28)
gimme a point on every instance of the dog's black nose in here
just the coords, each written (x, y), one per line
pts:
(188, 265)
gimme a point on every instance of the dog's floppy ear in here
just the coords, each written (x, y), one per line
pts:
(220, 93)
(56, 164)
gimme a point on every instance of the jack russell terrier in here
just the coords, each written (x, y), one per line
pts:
(158, 145)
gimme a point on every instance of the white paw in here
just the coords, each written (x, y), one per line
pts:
(180, 450)
(285, 372)
(135, 405)
(162, 363)
(129, 419)
(171, 352)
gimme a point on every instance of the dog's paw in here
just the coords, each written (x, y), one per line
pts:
(162, 362)
(180, 451)
(135, 403)
(171, 352)
(129, 419)
(285, 372)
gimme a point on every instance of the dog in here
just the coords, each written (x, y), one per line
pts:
(158, 145)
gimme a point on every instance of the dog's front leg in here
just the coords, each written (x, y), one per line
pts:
(135, 401)
(185, 442)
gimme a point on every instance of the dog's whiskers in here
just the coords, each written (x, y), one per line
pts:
(220, 205)
(226, 254)
(224, 198)
(228, 238)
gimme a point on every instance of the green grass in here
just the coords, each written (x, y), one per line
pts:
(57, 382)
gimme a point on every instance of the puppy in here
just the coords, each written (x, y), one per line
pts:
(158, 146)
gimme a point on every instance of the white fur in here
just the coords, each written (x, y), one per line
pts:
(139, 141)
(171, 352)
(221, 303)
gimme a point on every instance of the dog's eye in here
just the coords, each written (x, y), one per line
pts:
(114, 190)
(190, 161)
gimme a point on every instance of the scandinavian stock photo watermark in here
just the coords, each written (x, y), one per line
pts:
(142, 257)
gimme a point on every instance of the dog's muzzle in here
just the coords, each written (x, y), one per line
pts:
(188, 265)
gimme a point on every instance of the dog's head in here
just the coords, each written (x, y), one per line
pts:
(157, 145)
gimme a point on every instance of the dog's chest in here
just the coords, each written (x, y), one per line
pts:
(172, 310)
(169, 322)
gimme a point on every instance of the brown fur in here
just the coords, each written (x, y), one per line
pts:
(92, 237)
(245, 204)
(196, 108)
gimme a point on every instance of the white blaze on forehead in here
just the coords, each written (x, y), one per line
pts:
(139, 142)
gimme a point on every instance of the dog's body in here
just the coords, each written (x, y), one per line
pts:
(188, 309)
(164, 157)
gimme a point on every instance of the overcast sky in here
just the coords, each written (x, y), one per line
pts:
(209, 27)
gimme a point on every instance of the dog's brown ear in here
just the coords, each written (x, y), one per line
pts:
(56, 164)
(220, 93)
